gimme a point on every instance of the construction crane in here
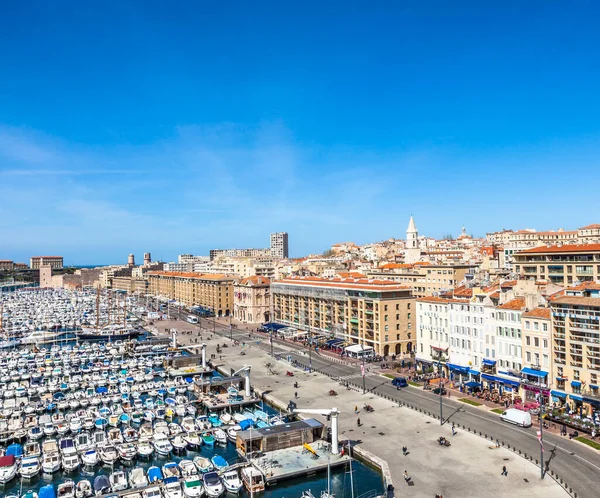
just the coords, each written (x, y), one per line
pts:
(334, 414)
(246, 370)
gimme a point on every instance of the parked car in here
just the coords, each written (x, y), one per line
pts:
(399, 382)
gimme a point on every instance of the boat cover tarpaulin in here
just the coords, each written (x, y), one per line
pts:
(7, 461)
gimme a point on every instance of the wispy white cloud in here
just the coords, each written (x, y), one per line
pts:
(220, 186)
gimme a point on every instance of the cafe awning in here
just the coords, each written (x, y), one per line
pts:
(559, 394)
(534, 372)
(575, 383)
(458, 368)
(489, 363)
(472, 384)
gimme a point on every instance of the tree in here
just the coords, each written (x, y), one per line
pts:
(327, 253)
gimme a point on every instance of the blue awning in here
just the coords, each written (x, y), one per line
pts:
(458, 368)
(489, 363)
(593, 386)
(509, 382)
(559, 394)
(474, 372)
(576, 397)
(488, 377)
(592, 401)
(575, 383)
(472, 384)
(534, 372)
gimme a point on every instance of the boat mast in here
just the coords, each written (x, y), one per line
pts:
(97, 309)
(351, 478)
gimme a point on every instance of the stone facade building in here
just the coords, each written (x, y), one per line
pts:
(252, 300)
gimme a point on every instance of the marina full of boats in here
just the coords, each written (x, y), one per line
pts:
(113, 418)
(45, 315)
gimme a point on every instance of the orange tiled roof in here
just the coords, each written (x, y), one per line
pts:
(462, 291)
(585, 286)
(563, 248)
(495, 295)
(508, 284)
(538, 313)
(584, 301)
(514, 304)
(255, 280)
(589, 227)
(391, 266)
(47, 257)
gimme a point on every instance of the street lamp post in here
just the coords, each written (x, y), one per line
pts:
(230, 329)
(363, 369)
(541, 435)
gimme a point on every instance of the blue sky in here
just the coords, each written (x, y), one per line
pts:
(177, 127)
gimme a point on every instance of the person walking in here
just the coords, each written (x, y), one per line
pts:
(504, 471)
(453, 429)
(404, 450)
(355, 409)
(358, 422)
(406, 476)
(296, 395)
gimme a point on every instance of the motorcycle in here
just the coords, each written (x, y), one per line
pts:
(368, 408)
(289, 374)
(332, 393)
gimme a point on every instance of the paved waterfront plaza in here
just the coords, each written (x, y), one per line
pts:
(471, 466)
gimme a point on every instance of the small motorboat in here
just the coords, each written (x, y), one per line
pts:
(232, 481)
(154, 474)
(220, 436)
(101, 485)
(127, 451)
(83, 489)
(30, 467)
(171, 469)
(137, 478)
(118, 481)
(208, 440)
(144, 449)
(219, 462)
(51, 462)
(8, 468)
(188, 468)
(203, 464)
(153, 492)
(47, 491)
(66, 489)
(90, 458)
(70, 462)
(213, 486)
(193, 440)
(162, 444)
(193, 487)
(179, 443)
(108, 455)
(172, 488)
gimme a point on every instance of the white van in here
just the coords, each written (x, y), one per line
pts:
(517, 417)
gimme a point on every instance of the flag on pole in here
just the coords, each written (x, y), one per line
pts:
(362, 370)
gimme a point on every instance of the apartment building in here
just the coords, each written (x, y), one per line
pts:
(424, 279)
(55, 262)
(7, 264)
(433, 333)
(252, 300)
(537, 368)
(576, 347)
(192, 289)
(561, 264)
(376, 313)
(279, 245)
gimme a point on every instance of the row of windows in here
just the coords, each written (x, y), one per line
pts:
(536, 326)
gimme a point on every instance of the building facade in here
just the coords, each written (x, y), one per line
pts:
(211, 291)
(576, 348)
(279, 245)
(7, 264)
(372, 313)
(252, 300)
(55, 262)
(564, 265)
